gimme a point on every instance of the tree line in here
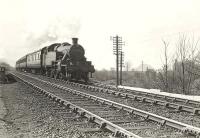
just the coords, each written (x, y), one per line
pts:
(180, 72)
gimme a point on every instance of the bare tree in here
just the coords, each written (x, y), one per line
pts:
(166, 44)
(181, 55)
(163, 81)
(183, 71)
(191, 61)
(187, 51)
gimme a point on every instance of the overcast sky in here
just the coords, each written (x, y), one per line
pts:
(27, 25)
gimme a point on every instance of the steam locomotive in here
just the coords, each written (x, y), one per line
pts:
(59, 60)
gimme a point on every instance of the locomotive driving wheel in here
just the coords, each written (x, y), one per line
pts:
(52, 74)
(55, 75)
(48, 73)
(61, 75)
(85, 77)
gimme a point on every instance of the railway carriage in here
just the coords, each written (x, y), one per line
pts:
(59, 60)
(34, 61)
(21, 64)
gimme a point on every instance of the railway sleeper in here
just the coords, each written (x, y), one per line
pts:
(196, 111)
(117, 134)
(109, 113)
(112, 115)
(67, 106)
(163, 122)
(98, 109)
(103, 125)
(140, 127)
(179, 108)
(78, 100)
(82, 113)
(75, 98)
(154, 118)
(121, 121)
(191, 132)
(90, 130)
(148, 100)
(88, 104)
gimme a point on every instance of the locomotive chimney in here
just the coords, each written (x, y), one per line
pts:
(75, 41)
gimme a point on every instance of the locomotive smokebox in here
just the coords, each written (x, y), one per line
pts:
(75, 41)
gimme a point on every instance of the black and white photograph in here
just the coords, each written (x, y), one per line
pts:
(99, 69)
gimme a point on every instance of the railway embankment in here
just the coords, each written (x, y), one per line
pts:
(28, 114)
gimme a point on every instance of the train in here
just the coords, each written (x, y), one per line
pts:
(58, 60)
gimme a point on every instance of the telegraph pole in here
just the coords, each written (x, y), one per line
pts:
(117, 60)
(117, 48)
(121, 65)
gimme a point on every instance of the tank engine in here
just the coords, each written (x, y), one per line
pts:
(59, 60)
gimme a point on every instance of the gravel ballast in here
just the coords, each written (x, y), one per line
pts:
(28, 114)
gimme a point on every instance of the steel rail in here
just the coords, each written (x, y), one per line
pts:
(104, 124)
(148, 116)
(168, 104)
(145, 98)
(152, 94)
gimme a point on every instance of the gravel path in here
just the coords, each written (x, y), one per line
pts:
(32, 115)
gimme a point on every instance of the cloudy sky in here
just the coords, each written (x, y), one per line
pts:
(27, 25)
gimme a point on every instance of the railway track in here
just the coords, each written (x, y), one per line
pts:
(73, 102)
(179, 104)
(121, 119)
(144, 93)
(182, 113)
